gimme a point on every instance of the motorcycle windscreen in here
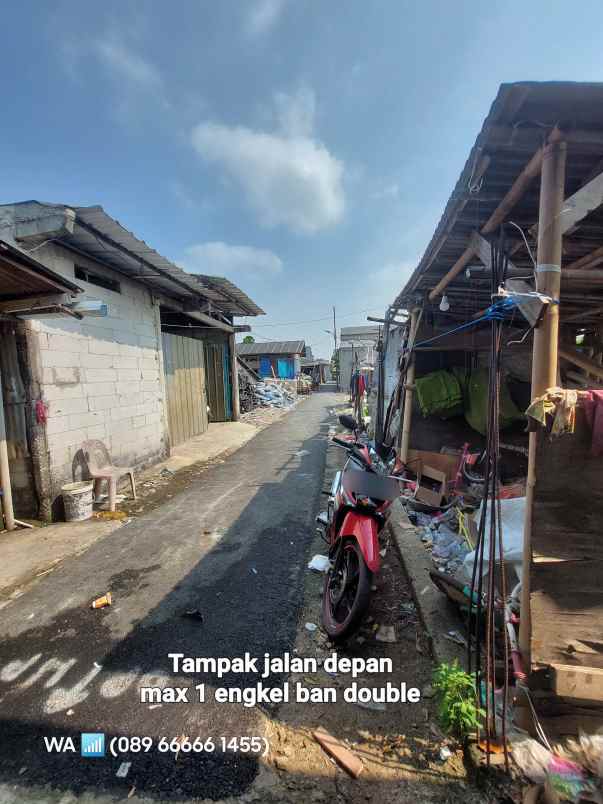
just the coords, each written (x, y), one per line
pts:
(368, 484)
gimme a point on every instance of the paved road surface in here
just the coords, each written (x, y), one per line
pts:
(234, 546)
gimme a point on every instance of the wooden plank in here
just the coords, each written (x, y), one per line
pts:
(583, 314)
(566, 596)
(581, 203)
(566, 601)
(578, 682)
(578, 359)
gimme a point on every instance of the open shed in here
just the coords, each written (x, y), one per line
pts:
(531, 190)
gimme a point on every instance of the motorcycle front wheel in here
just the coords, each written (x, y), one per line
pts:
(347, 593)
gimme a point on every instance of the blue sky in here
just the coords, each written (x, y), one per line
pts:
(305, 149)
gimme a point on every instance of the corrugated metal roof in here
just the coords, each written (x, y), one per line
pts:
(102, 237)
(272, 348)
(519, 121)
(226, 296)
(16, 283)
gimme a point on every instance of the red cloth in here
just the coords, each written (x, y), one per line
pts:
(361, 385)
(593, 408)
(41, 412)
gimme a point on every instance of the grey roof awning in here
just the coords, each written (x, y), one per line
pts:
(272, 348)
(22, 276)
(96, 234)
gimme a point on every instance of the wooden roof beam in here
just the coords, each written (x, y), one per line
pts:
(515, 193)
(580, 360)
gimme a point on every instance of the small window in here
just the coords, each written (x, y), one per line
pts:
(96, 279)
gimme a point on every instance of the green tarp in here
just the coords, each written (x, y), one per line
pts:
(452, 393)
(476, 402)
(439, 394)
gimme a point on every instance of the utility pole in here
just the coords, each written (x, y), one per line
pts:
(334, 328)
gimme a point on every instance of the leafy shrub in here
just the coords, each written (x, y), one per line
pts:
(458, 712)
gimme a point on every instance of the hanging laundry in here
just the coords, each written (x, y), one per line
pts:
(593, 408)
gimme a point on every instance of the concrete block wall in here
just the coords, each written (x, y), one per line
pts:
(103, 377)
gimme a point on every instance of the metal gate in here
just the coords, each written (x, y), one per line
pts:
(218, 382)
(184, 367)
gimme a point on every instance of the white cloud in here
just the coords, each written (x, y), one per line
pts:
(288, 176)
(127, 65)
(263, 16)
(221, 259)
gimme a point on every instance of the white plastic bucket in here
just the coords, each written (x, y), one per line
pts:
(77, 499)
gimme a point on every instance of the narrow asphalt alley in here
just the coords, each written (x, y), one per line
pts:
(232, 546)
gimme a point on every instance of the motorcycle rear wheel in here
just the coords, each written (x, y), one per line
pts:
(347, 593)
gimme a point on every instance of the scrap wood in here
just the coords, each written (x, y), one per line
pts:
(351, 763)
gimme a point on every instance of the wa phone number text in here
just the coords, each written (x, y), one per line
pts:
(182, 745)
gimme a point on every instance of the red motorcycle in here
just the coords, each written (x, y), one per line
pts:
(356, 514)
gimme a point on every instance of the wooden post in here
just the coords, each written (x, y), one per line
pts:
(7, 494)
(409, 386)
(234, 379)
(546, 342)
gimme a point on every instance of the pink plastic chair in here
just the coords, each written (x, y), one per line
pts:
(100, 468)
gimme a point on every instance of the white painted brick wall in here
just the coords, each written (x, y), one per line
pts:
(102, 377)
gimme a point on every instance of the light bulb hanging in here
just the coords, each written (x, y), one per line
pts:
(444, 304)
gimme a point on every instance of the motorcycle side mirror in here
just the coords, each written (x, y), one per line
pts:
(349, 422)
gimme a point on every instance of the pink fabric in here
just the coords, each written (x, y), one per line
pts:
(593, 408)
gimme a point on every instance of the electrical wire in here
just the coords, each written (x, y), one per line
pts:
(511, 223)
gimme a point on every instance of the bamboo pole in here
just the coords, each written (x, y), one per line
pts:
(545, 348)
(409, 387)
(7, 495)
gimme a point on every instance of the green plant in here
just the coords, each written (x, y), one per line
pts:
(458, 711)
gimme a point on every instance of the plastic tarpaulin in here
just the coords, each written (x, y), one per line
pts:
(476, 402)
(513, 513)
(439, 394)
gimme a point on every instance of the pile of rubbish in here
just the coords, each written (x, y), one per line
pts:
(443, 535)
(272, 395)
(263, 394)
(451, 536)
